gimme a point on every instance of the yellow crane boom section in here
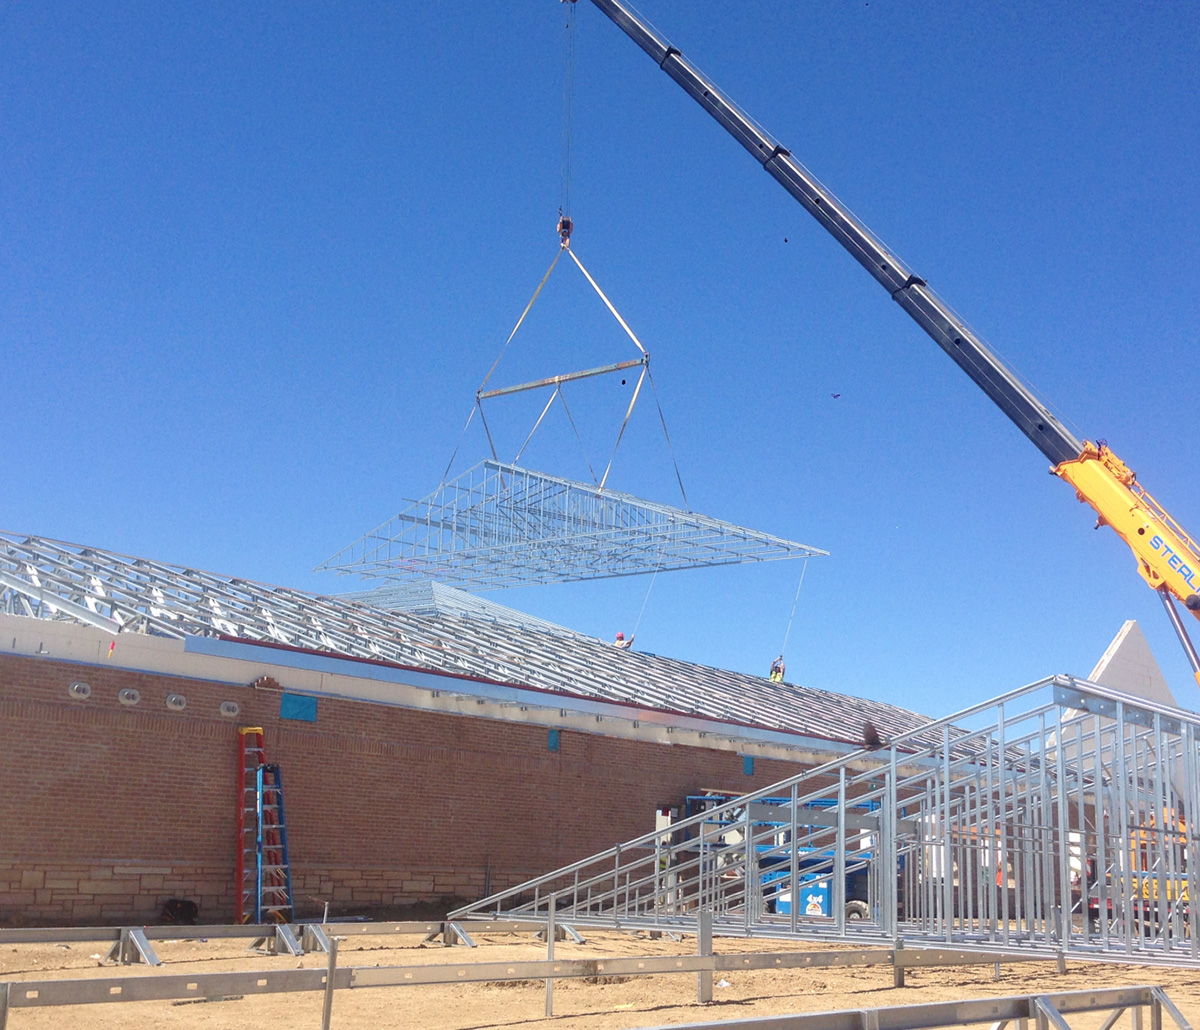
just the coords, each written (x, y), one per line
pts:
(1168, 558)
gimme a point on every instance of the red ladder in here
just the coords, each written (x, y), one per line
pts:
(262, 874)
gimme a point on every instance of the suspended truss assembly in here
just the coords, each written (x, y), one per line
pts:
(1058, 818)
(498, 525)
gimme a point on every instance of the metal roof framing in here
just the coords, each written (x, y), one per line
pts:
(49, 579)
(500, 525)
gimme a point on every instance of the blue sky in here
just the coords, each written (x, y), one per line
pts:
(254, 263)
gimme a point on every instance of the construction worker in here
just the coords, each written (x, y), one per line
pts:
(777, 670)
(622, 643)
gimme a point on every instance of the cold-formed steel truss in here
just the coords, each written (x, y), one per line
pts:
(500, 525)
(118, 593)
(1058, 818)
(439, 629)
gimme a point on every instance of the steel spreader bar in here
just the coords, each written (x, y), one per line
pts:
(566, 377)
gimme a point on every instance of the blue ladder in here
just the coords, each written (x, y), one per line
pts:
(272, 870)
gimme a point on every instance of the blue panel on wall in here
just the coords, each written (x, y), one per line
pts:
(552, 740)
(298, 707)
(748, 764)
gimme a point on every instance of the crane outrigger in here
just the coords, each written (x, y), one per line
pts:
(1168, 558)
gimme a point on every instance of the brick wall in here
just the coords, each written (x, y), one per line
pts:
(106, 810)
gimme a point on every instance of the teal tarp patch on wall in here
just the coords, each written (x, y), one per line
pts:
(298, 707)
(748, 764)
(552, 740)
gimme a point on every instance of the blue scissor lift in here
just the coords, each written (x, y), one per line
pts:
(814, 865)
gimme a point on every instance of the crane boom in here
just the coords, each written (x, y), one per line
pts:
(908, 290)
(1168, 558)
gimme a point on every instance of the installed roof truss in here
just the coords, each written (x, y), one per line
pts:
(48, 579)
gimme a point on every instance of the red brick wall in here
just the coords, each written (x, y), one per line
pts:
(108, 810)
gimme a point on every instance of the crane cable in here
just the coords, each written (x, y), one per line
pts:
(568, 123)
(564, 208)
(495, 364)
(788, 632)
(670, 446)
(645, 601)
(565, 228)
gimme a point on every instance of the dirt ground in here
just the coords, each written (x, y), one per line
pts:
(616, 1003)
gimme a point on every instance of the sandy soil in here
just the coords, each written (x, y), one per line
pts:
(615, 1004)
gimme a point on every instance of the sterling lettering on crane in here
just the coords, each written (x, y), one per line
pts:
(1174, 560)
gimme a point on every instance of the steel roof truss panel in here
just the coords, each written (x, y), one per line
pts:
(500, 525)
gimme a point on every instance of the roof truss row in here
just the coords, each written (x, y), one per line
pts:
(437, 628)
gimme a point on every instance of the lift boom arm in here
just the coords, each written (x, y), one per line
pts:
(1168, 559)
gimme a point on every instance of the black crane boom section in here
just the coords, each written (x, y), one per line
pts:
(910, 291)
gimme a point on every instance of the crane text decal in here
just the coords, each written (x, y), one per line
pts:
(1173, 560)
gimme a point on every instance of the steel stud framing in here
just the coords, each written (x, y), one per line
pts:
(1056, 819)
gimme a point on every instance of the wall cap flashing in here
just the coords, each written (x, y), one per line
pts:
(239, 663)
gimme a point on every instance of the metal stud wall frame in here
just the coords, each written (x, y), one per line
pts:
(500, 525)
(1057, 819)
